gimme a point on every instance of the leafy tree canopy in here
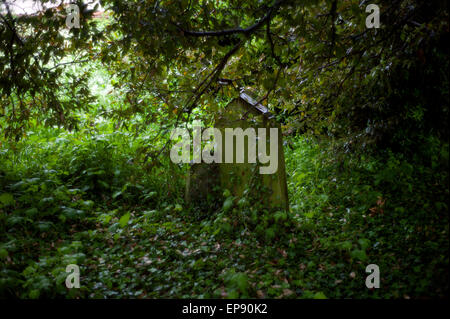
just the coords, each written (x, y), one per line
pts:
(314, 63)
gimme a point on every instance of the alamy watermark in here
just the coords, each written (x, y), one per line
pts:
(373, 280)
(213, 152)
(73, 16)
(373, 19)
(73, 278)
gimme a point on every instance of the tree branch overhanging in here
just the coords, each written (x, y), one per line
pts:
(238, 30)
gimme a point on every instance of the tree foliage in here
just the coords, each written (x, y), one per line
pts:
(314, 63)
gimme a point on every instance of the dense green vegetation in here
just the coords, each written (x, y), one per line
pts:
(86, 178)
(80, 198)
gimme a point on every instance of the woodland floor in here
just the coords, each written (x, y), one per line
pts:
(133, 236)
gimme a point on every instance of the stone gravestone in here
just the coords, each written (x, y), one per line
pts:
(202, 182)
(243, 178)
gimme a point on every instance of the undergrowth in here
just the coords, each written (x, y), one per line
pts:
(90, 199)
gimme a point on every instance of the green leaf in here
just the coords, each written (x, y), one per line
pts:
(227, 204)
(124, 220)
(364, 243)
(270, 234)
(72, 213)
(280, 216)
(359, 254)
(237, 280)
(31, 212)
(346, 245)
(320, 295)
(116, 194)
(34, 294)
(226, 193)
(6, 199)
(3, 253)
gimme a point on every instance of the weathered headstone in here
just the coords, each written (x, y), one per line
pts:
(243, 178)
(201, 181)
